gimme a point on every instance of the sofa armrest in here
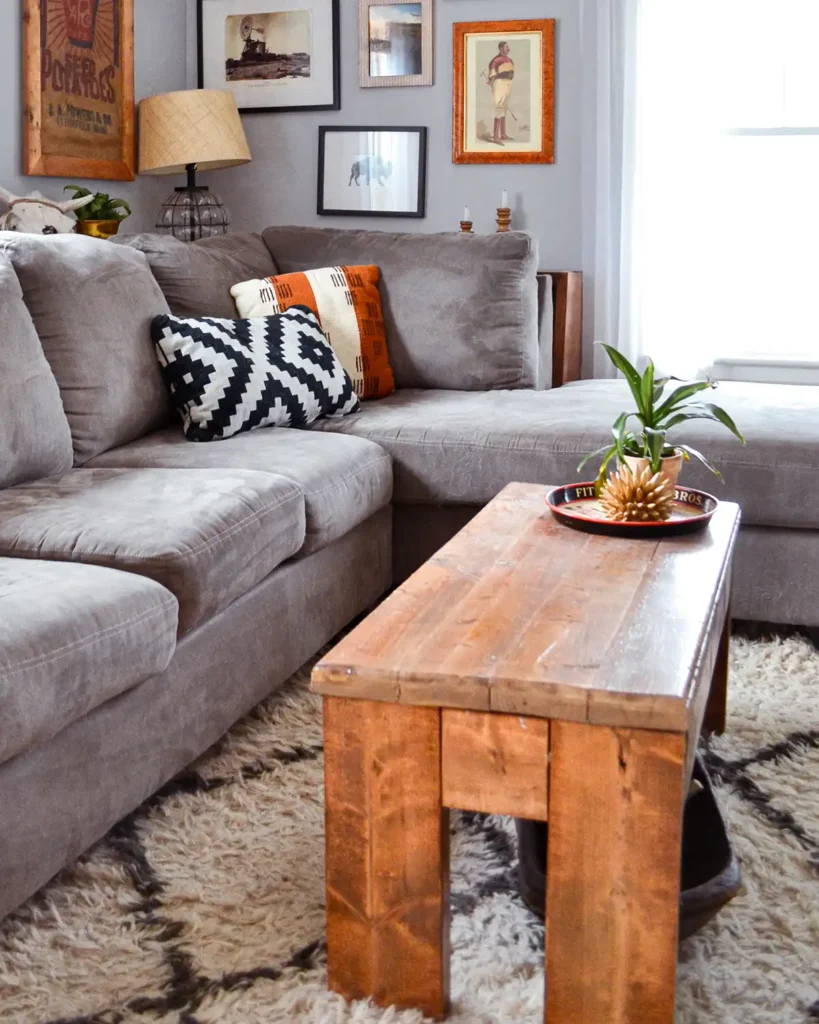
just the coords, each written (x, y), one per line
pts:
(567, 342)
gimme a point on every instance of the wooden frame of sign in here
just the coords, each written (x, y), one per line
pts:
(78, 87)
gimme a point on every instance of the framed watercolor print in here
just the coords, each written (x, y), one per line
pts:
(395, 43)
(372, 172)
(503, 100)
(78, 82)
(274, 55)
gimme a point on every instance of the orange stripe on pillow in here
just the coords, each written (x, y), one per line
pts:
(375, 363)
(294, 290)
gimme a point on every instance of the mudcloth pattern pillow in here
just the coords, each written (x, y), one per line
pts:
(228, 376)
(348, 305)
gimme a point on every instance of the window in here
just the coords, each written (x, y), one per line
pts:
(726, 188)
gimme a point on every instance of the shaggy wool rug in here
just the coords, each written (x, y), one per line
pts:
(206, 905)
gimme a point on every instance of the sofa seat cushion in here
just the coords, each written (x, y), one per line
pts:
(344, 479)
(209, 536)
(71, 638)
(454, 448)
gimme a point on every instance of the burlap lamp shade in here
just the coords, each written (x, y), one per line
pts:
(182, 132)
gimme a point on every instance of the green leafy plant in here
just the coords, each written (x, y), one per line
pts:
(102, 208)
(657, 416)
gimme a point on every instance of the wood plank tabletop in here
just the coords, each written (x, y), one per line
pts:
(521, 614)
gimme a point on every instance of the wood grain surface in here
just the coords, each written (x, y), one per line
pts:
(523, 615)
(613, 875)
(387, 861)
(495, 764)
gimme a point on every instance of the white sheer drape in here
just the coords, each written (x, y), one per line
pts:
(703, 239)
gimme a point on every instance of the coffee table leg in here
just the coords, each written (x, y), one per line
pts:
(387, 855)
(716, 708)
(613, 876)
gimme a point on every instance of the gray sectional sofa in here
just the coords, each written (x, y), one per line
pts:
(153, 590)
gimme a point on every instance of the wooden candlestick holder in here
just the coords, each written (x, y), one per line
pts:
(466, 227)
(504, 218)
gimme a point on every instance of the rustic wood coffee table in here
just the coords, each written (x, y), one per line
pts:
(529, 670)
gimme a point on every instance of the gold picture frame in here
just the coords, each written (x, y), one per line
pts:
(78, 81)
(503, 96)
(395, 43)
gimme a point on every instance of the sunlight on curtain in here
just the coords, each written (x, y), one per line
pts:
(725, 228)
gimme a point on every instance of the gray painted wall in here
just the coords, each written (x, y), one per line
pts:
(160, 48)
(280, 185)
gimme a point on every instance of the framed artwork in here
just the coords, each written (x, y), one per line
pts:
(372, 172)
(503, 98)
(395, 43)
(274, 55)
(78, 84)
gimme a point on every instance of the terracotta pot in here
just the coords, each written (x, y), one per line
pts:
(98, 228)
(671, 465)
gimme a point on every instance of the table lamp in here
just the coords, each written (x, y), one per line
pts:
(198, 129)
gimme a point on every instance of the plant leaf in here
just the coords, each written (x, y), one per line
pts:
(655, 442)
(680, 395)
(700, 458)
(598, 451)
(723, 417)
(647, 393)
(629, 372)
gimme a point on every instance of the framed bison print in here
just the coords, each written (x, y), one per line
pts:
(273, 55)
(504, 92)
(78, 72)
(372, 172)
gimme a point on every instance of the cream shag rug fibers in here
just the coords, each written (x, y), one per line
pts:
(206, 905)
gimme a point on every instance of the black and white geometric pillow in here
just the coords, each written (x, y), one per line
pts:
(228, 376)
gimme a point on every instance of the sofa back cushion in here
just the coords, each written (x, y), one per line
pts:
(92, 304)
(196, 278)
(460, 310)
(35, 439)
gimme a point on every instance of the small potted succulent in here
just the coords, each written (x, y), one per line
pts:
(103, 216)
(642, 487)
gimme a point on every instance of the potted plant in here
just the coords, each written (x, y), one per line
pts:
(648, 448)
(102, 217)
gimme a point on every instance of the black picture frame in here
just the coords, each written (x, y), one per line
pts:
(421, 132)
(335, 105)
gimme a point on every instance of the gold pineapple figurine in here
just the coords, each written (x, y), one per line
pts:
(637, 496)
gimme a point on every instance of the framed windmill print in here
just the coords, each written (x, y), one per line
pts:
(78, 82)
(503, 99)
(274, 55)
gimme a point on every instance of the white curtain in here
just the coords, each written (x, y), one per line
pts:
(702, 235)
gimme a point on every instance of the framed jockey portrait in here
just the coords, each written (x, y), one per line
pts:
(372, 172)
(503, 98)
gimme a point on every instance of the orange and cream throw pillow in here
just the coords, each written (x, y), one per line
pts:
(348, 305)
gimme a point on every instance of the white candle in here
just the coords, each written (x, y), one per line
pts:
(466, 213)
(504, 200)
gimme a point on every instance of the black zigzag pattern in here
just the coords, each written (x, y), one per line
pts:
(229, 376)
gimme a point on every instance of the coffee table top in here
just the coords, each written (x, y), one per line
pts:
(521, 614)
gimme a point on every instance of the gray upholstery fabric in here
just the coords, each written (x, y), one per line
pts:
(460, 310)
(72, 637)
(209, 536)
(196, 278)
(92, 304)
(62, 796)
(774, 576)
(344, 479)
(461, 449)
(546, 331)
(34, 436)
